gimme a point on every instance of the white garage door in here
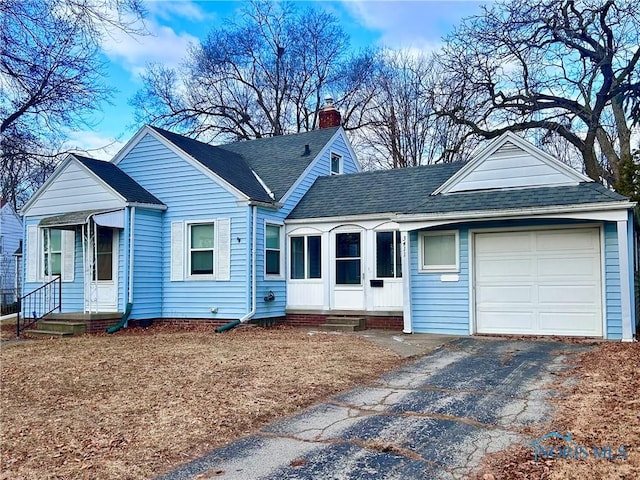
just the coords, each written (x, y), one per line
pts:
(543, 282)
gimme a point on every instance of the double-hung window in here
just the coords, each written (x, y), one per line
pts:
(306, 257)
(201, 248)
(348, 267)
(439, 251)
(52, 249)
(388, 255)
(272, 251)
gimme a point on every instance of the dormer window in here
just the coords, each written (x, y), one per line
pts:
(336, 164)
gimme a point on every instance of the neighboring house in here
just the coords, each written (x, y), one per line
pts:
(512, 242)
(10, 238)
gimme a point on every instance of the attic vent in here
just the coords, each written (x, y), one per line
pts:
(508, 148)
(307, 150)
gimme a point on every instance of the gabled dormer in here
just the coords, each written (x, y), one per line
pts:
(511, 162)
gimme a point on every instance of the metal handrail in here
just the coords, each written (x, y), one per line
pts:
(39, 303)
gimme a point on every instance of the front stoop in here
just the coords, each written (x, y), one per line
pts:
(59, 325)
(57, 328)
(343, 324)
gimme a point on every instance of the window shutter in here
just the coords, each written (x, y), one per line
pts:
(33, 253)
(177, 251)
(224, 249)
(68, 255)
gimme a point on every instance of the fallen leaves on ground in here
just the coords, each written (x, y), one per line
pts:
(601, 409)
(134, 404)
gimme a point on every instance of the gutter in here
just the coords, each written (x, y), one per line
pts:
(252, 312)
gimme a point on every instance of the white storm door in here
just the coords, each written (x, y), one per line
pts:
(348, 285)
(103, 290)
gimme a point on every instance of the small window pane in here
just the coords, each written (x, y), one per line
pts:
(56, 240)
(335, 163)
(348, 272)
(315, 256)
(347, 245)
(440, 250)
(273, 236)
(273, 262)
(297, 257)
(202, 236)
(384, 254)
(202, 263)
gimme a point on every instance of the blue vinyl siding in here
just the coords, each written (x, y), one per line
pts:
(320, 167)
(147, 264)
(192, 195)
(440, 307)
(72, 292)
(612, 281)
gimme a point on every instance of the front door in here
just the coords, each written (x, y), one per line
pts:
(103, 289)
(348, 289)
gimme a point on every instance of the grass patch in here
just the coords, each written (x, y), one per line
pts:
(134, 404)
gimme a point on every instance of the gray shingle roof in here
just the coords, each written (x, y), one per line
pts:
(118, 180)
(408, 191)
(279, 161)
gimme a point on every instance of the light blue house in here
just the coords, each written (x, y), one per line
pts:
(287, 228)
(10, 241)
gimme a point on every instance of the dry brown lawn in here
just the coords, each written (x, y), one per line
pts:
(134, 404)
(602, 409)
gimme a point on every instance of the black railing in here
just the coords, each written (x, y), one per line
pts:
(39, 303)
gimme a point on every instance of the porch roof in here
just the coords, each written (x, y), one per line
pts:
(71, 219)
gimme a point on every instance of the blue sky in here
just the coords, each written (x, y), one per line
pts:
(174, 24)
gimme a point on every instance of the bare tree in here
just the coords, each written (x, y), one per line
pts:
(559, 66)
(400, 127)
(264, 75)
(50, 79)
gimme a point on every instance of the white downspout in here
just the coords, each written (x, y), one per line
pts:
(253, 266)
(132, 217)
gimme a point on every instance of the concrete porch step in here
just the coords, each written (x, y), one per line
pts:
(70, 327)
(343, 324)
(47, 333)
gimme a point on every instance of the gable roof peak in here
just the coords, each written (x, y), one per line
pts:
(509, 161)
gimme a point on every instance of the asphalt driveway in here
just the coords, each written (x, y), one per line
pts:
(434, 418)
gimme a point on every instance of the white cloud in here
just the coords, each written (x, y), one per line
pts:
(163, 45)
(410, 24)
(168, 10)
(93, 144)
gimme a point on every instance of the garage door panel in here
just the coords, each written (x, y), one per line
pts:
(566, 240)
(497, 243)
(579, 295)
(564, 267)
(493, 321)
(539, 282)
(489, 269)
(498, 294)
(574, 324)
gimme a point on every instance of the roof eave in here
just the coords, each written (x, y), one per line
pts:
(517, 212)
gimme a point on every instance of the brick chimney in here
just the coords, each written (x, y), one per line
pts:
(329, 116)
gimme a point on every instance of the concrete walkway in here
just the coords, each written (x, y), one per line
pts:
(434, 418)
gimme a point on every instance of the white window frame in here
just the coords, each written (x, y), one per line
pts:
(438, 268)
(187, 251)
(340, 163)
(396, 264)
(281, 266)
(305, 250)
(46, 254)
